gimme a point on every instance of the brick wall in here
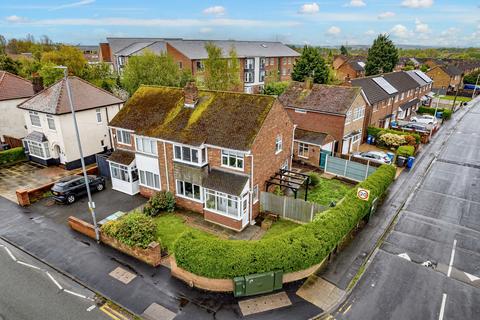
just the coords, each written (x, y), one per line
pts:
(179, 57)
(346, 70)
(313, 154)
(222, 220)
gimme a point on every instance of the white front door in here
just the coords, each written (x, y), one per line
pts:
(245, 210)
(345, 146)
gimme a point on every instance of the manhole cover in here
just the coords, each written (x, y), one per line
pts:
(157, 312)
(122, 275)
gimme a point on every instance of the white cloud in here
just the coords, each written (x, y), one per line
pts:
(421, 27)
(400, 31)
(215, 10)
(386, 15)
(370, 32)
(417, 3)
(309, 8)
(333, 31)
(15, 19)
(73, 4)
(206, 30)
(356, 3)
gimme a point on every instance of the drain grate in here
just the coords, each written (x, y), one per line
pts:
(122, 275)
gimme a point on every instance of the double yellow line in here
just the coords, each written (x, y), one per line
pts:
(115, 315)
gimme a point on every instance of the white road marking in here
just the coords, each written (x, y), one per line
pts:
(442, 307)
(28, 265)
(451, 258)
(10, 254)
(91, 308)
(54, 281)
(75, 294)
(405, 256)
(471, 277)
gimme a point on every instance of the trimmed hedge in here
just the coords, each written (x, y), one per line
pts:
(446, 113)
(295, 250)
(405, 151)
(12, 155)
(377, 132)
(134, 229)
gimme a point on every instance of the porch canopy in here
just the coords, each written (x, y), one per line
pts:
(409, 104)
(311, 137)
(289, 179)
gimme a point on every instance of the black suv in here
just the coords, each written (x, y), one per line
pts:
(69, 189)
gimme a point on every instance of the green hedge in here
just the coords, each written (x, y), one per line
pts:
(405, 151)
(295, 250)
(377, 132)
(134, 229)
(446, 113)
(12, 155)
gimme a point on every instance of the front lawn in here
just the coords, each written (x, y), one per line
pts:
(462, 99)
(170, 226)
(326, 191)
(280, 227)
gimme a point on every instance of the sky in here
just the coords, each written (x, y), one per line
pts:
(326, 23)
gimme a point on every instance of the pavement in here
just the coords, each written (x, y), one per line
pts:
(33, 291)
(428, 266)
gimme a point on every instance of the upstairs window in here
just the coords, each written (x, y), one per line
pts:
(278, 144)
(249, 63)
(99, 115)
(50, 122)
(189, 155)
(146, 145)
(232, 159)
(124, 137)
(200, 65)
(35, 119)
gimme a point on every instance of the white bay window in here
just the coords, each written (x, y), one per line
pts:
(38, 149)
(222, 203)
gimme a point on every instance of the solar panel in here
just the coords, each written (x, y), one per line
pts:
(422, 75)
(385, 85)
(361, 64)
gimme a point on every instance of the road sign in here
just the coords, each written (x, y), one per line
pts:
(363, 194)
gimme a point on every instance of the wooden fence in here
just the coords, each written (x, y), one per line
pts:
(350, 168)
(290, 208)
(13, 142)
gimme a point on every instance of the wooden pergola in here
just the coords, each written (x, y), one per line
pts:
(291, 180)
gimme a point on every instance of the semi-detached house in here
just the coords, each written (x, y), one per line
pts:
(214, 150)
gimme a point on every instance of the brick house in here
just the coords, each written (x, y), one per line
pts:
(214, 150)
(446, 78)
(260, 61)
(328, 118)
(351, 69)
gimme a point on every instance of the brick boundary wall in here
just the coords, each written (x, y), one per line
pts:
(151, 255)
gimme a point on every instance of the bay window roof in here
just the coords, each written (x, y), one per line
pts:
(36, 136)
(226, 182)
(122, 157)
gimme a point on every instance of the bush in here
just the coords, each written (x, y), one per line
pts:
(314, 179)
(406, 151)
(446, 113)
(275, 88)
(373, 131)
(134, 229)
(392, 140)
(160, 202)
(12, 155)
(410, 140)
(402, 133)
(295, 250)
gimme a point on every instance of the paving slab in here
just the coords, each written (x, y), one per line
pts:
(320, 292)
(264, 303)
(122, 275)
(157, 312)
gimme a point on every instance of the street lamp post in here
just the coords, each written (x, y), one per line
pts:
(91, 204)
(475, 88)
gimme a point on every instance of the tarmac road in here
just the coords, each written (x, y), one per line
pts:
(439, 223)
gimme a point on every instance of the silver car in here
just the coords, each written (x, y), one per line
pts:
(375, 156)
(425, 119)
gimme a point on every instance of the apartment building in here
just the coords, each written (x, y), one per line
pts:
(214, 150)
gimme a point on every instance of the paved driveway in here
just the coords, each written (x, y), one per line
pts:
(27, 175)
(107, 202)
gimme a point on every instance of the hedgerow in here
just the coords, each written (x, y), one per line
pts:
(12, 155)
(446, 113)
(378, 132)
(406, 151)
(295, 250)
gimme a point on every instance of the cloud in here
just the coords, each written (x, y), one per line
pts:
(215, 10)
(356, 3)
(400, 31)
(16, 19)
(421, 27)
(370, 32)
(417, 3)
(333, 31)
(73, 4)
(309, 8)
(386, 15)
(206, 30)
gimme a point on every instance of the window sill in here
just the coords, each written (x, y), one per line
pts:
(303, 157)
(278, 152)
(145, 186)
(199, 165)
(232, 168)
(188, 198)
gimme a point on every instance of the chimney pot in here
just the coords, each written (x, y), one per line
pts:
(190, 92)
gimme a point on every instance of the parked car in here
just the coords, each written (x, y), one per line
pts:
(70, 188)
(416, 126)
(425, 118)
(375, 156)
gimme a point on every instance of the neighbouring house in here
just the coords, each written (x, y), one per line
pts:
(260, 61)
(214, 150)
(347, 68)
(51, 137)
(392, 96)
(329, 117)
(446, 78)
(13, 91)
(89, 52)
(433, 62)
(338, 60)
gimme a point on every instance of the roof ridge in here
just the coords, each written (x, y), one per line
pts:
(59, 96)
(210, 90)
(96, 87)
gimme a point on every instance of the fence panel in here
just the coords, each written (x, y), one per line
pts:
(287, 207)
(349, 169)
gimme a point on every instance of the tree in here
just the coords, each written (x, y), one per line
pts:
(3, 45)
(101, 75)
(8, 64)
(382, 56)
(50, 74)
(151, 69)
(311, 64)
(275, 88)
(221, 73)
(471, 78)
(67, 56)
(343, 50)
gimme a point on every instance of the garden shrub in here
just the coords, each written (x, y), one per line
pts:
(314, 179)
(12, 155)
(392, 139)
(402, 133)
(410, 140)
(134, 229)
(292, 251)
(160, 202)
(406, 151)
(373, 131)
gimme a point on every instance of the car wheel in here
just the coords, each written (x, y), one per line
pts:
(71, 199)
(100, 187)
(413, 120)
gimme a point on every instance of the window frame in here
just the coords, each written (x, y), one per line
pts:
(34, 145)
(140, 145)
(278, 144)
(51, 120)
(302, 146)
(37, 115)
(98, 114)
(229, 155)
(199, 154)
(121, 168)
(183, 194)
(120, 133)
(255, 194)
(226, 197)
(143, 179)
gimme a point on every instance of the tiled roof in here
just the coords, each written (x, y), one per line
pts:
(373, 92)
(156, 47)
(416, 77)
(409, 104)
(452, 70)
(14, 87)
(36, 136)
(316, 138)
(321, 98)
(401, 81)
(117, 44)
(54, 99)
(122, 157)
(225, 119)
(224, 181)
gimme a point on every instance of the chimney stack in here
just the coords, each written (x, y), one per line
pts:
(190, 93)
(308, 83)
(37, 83)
